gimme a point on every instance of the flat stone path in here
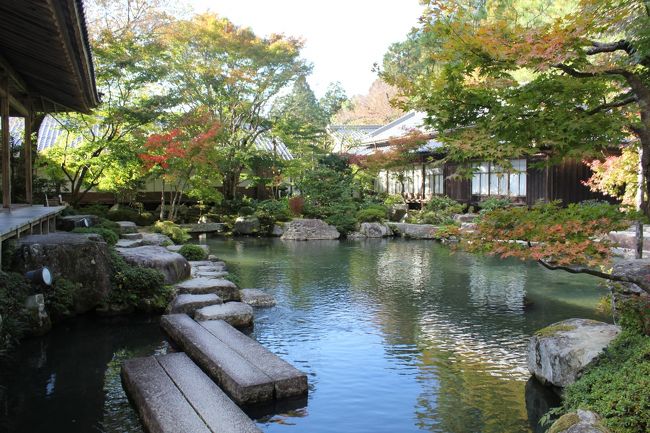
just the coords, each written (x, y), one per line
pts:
(226, 290)
(257, 298)
(287, 380)
(188, 304)
(237, 314)
(173, 395)
(244, 383)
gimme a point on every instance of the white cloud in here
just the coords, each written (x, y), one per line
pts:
(343, 38)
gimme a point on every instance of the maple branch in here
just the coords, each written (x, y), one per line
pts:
(643, 285)
(610, 47)
(580, 74)
(628, 99)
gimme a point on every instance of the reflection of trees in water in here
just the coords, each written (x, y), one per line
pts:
(499, 287)
(459, 396)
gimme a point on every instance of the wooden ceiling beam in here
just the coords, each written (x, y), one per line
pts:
(14, 103)
(13, 75)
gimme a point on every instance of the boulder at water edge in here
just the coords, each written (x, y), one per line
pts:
(246, 225)
(309, 229)
(582, 421)
(173, 266)
(80, 258)
(414, 231)
(375, 230)
(558, 354)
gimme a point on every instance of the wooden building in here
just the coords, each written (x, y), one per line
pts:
(526, 180)
(45, 66)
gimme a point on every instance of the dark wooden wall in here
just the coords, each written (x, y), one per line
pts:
(566, 183)
(457, 188)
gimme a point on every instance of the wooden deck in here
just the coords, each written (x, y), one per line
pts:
(19, 220)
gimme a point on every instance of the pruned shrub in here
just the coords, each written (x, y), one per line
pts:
(133, 284)
(246, 211)
(109, 236)
(372, 213)
(192, 252)
(175, 232)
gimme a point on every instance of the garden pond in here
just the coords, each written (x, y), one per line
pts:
(396, 336)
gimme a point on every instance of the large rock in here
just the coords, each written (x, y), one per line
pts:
(397, 212)
(375, 230)
(172, 265)
(414, 231)
(309, 229)
(639, 269)
(70, 222)
(582, 421)
(80, 258)
(187, 304)
(156, 239)
(127, 227)
(246, 225)
(277, 230)
(237, 314)
(465, 217)
(559, 353)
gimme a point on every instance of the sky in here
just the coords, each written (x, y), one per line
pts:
(343, 38)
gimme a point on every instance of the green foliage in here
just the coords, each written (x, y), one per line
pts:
(444, 204)
(132, 285)
(175, 232)
(634, 313)
(93, 209)
(60, 297)
(372, 213)
(278, 210)
(616, 385)
(109, 235)
(192, 252)
(130, 214)
(327, 191)
(14, 289)
(439, 210)
(617, 176)
(246, 211)
(492, 203)
(393, 200)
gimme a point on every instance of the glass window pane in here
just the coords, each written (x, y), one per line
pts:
(476, 184)
(484, 185)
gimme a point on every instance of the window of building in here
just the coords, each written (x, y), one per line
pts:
(492, 179)
(434, 182)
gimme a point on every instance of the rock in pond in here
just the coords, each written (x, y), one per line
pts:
(206, 227)
(172, 265)
(81, 258)
(186, 303)
(277, 230)
(257, 298)
(309, 229)
(226, 290)
(237, 314)
(558, 354)
(375, 230)
(414, 231)
(633, 268)
(177, 248)
(582, 421)
(246, 225)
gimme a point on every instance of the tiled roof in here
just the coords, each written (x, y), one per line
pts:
(347, 137)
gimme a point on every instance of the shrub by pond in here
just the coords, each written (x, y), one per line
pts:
(175, 232)
(192, 252)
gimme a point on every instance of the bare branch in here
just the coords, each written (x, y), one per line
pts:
(626, 100)
(610, 47)
(644, 285)
(580, 74)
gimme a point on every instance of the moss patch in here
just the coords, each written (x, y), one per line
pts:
(564, 423)
(550, 331)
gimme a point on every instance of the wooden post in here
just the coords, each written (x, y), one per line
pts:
(638, 253)
(6, 150)
(28, 156)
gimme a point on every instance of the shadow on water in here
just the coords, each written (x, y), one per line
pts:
(68, 381)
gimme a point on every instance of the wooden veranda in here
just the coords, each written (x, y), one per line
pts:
(45, 67)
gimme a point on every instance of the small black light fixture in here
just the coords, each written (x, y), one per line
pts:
(83, 222)
(41, 276)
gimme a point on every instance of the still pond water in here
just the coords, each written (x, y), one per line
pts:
(396, 336)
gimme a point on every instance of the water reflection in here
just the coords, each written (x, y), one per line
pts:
(395, 337)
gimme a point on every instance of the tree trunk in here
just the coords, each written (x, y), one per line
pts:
(230, 182)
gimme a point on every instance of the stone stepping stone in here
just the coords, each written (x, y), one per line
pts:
(226, 290)
(187, 304)
(176, 248)
(288, 380)
(256, 298)
(132, 236)
(172, 394)
(172, 265)
(127, 227)
(209, 263)
(237, 314)
(129, 243)
(243, 382)
(209, 274)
